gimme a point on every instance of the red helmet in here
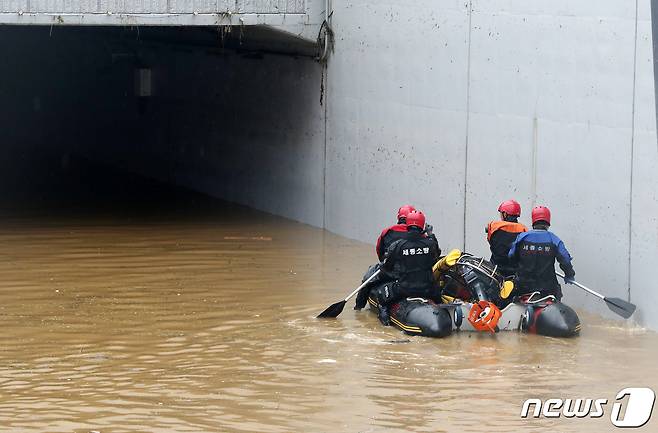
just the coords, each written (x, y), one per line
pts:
(541, 213)
(404, 211)
(416, 219)
(510, 207)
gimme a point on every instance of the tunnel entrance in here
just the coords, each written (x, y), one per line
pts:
(93, 116)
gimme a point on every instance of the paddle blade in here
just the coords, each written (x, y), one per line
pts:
(333, 310)
(621, 307)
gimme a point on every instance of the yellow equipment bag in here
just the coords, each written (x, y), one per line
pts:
(446, 262)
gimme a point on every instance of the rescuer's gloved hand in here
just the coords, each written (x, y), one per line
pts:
(569, 280)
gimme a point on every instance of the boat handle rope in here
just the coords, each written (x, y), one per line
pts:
(531, 301)
(423, 300)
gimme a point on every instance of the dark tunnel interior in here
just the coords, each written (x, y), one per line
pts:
(110, 119)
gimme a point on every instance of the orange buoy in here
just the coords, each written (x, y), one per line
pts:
(484, 316)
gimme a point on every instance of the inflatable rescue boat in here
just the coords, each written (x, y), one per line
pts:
(464, 281)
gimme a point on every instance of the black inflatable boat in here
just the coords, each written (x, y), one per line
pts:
(470, 279)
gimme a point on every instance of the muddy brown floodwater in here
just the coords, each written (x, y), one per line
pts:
(191, 322)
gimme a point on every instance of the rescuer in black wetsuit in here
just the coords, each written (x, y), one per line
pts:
(386, 238)
(535, 252)
(409, 263)
(501, 234)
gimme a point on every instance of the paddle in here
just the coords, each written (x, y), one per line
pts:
(616, 305)
(335, 309)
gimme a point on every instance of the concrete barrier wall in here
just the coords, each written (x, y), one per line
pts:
(298, 18)
(397, 116)
(469, 103)
(154, 6)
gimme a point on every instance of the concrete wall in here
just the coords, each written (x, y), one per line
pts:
(298, 18)
(397, 116)
(469, 103)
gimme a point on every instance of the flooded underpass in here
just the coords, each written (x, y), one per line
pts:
(155, 309)
(132, 302)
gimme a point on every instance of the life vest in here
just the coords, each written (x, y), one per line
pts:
(506, 226)
(501, 235)
(413, 259)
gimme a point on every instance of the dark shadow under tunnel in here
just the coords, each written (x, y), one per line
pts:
(141, 119)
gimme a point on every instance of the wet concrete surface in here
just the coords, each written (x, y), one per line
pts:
(158, 310)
